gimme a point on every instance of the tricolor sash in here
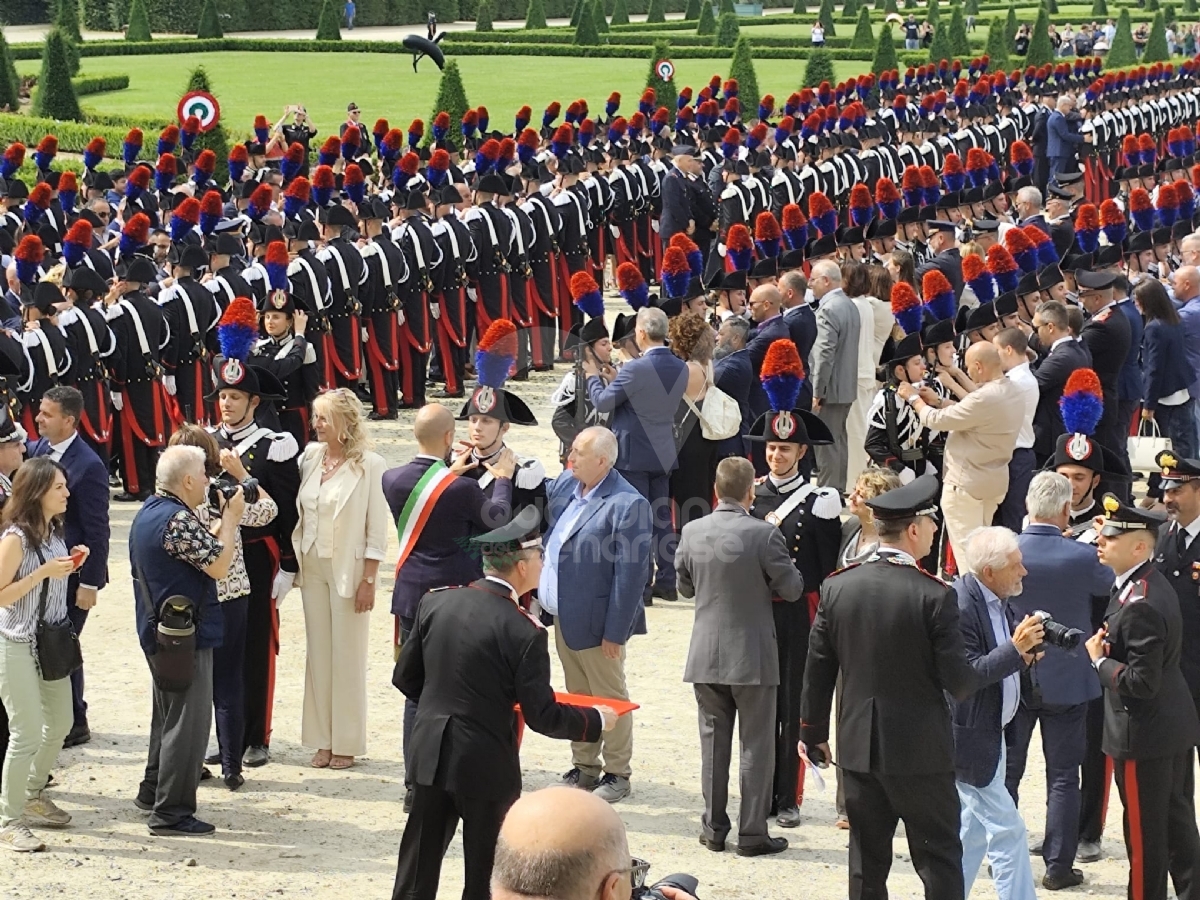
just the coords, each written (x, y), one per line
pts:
(419, 506)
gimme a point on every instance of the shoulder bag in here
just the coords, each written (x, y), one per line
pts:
(719, 415)
(1144, 447)
(173, 663)
(56, 646)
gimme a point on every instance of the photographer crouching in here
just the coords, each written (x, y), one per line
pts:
(176, 563)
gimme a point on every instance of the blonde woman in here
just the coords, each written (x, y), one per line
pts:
(340, 540)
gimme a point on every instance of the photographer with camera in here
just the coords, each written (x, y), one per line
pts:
(1064, 580)
(174, 557)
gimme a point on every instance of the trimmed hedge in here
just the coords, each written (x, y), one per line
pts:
(99, 84)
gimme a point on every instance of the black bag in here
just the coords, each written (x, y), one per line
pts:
(56, 647)
(173, 664)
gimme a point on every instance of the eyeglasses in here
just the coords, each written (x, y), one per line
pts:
(637, 874)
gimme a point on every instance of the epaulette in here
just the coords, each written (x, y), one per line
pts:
(931, 576)
(827, 503)
(1133, 592)
(283, 447)
(1103, 315)
(845, 568)
(730, 192)
(529, 474)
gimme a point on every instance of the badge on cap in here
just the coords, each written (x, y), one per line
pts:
(1111, 504)
(1167, 461)
(232, 372)
(485, 400)
(1079, 447)
(783, 425)
(279, 299)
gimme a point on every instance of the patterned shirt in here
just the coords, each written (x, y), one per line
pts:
(187, 538)
(18, 622)
(237, 582)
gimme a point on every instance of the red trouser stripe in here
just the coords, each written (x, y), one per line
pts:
(128, 463)
(1108, 780)
(374, 357)
(327, 360)
(1134, 811)
(449, 371)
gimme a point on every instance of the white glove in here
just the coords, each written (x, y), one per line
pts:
(472, 295)
(435, 310)
(169, 384)
(118, 401)
(616, 232)
(400, 316)
(907, 476)
(364, 333)
(654, 225)
(721, 249)
(280, 587)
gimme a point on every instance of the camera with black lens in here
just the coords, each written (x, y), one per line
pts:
(221, 491)
(1055, 634)
(642, 891)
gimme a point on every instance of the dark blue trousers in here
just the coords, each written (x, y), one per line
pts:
(410, 706)
(1064, 739)
(78, 618)
(656, 487)
(1011, 511)
(229, 685)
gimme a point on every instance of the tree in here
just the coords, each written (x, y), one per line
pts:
(690, 14)
(971, 8)
(66, 20)
(577, 12)
(452, 98)
(139, 23)
(1156, 45)
(10, 97)
(997, 47)
(850, 9)
(1010, 27)
(1041, 51)
(1100, 7)
(825, 15)
(727, 30)
(535, 16)
(725, 6)
(210, 21)
(940, 48)
(1152, 5)
(483, 16)
(329, 24)
(586, 34)
(1122, 52)
(819, 68)
(799, 7)
(864, 37)
(215, 139)
(934, 15)
(620, 14)
(959, 43)
(1190, 7)
(706, 24)
(1169, 15)
(665, 92)
(656, 13)
(889, 6)
(885, 53)
(598, 14)
(55, 97)
(910, 4)
(741, 70)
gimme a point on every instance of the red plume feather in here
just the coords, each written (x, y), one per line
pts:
(972, 267)
(1087, 218)
(781, 358)
(32, 251)
(581, 283)
(188, 210)
(999, 260)
(1111, 214)
(277, 253)
(80, 233)
(793, 217)
(766, 227)
(738, 237)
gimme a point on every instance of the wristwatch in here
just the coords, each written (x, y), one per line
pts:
(369, 579)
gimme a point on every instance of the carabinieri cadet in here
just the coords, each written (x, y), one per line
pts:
(285, 352)
(491, 230)
(573, 198)
(458, 271)
(522, 291)
(44, 344)
(418, 293)
(93, 352)
(386, 272)
(808, 518)
(191, 313)
(310, 286)
(347, 273)
(492, 409)
(242, 388)
(544, 256)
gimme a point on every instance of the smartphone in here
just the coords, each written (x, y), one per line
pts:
(78, 557)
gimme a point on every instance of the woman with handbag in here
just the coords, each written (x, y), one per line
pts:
(37, 650)
(693, 341)
(1167, 406)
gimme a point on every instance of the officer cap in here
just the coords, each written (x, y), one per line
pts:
(1094, 281)
(1062, 193)
(497, 403)
(942, 224)
(917, 498)
(1073, 261)
(1120, 519)
(1181, 229)
(11, 432)
(949, 200)
(904, 349)
(1068, 177)
(523, 532)
(822, 246)
(1140, 242)
(1175, 471)
(985, 225)
(245, 376)
(729, 281)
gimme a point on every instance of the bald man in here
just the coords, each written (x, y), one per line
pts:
(983, 429)
(435, 530)
(766, 309)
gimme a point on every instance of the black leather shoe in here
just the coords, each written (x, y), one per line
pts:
(234, 780)
(189, 827)
(1089, 851)
(1063, 880)
(448, 395)
(788, 818)
(669, 594)
(79, 734)
(205, 774)
(381, 417)
(771, 845)
(214, 760)
(126, 497)
(408, 800)
(255, 757)
(716, 846)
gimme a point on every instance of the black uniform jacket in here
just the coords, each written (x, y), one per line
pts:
(1182, 572)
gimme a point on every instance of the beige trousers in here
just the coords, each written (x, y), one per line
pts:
(591, 672)
(964, 513)
(335, 671)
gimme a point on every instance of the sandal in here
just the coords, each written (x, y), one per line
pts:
(341, 762)
(321, 759)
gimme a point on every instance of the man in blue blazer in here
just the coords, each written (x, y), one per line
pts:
(733, 373)
(644, 399)
(597, 561)
(1065, 579)
(765, 305)
(997, 650)
(86, 520)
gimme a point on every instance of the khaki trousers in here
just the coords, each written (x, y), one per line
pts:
(964, 513)
(591, 672)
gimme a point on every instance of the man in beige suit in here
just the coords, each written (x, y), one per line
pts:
(983, 429)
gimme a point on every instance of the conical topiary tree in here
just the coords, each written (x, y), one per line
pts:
(66, 20)
(727, 30)
(725, 6)
(535, 15)
(971, 8)
(665, 92)
(1041, 51)
(329, 26)
(1169, 15)
(934, 14)
(850, 9)
(864, 37)
(885, 53)
(1100, 7)
(940, 48)
(1152, 5)
(452, 99)
(799, 7)
(1190, 7)
(577, 12)
(825, 15)
(741, 70)
(55, 96)
(139, 23)
(690, 14)
(656, 12)
(10, 85)
(1011, 26)
(997, 47)
(959, 43)
(210, 21)
(483, 16)
(586, 34)
(620, 14)
(1122, 52)
(910, 4)
(706, 24)
(889, 6)
(598, 15)
(819, 68)
(215, 139)
(1156, 44)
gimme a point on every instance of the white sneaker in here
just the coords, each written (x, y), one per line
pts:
(43, 811)
(19, 838)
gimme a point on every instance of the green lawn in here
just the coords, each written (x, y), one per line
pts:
(251, 83)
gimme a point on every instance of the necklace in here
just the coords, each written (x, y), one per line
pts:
(328, 466)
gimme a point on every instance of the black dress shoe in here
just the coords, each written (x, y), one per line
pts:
(234, 780)
(448, 395)
(665, 594)
(214, 760)
(205, 774)
(126, 497)
(79, 734)
(788, 818)
(381, 417)
(771, 845)
(1062, 880)
(255, 757)
(549, 367)
(189, 827)
(716, 846)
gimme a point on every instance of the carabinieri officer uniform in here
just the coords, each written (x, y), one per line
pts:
(1177, 556)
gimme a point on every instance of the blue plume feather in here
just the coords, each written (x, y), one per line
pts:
(179, 228)
(984, 287)
(954, 181)
(73, 253)
(932, 195)
(292, 206)
(782, 390)
(676, 285)
(164, 180)
(1047, 254)
(696, 263)
(1115, 232)
(236, 339)
(91, 160)
(208, 223)
(1143, 219)
(1008, 281)
(890, 209)
(910, 319)
(639, 296)
(1167, 215)
(33, 213)
(492, 368)
(1081, 412)
(590, 304)
(827, 222)
(42, 160)
(236, 169)
(1027, 260)
(796, 237)
(943, 306)
(1088, 238)
(741, 259)
(27, 272)
(1187, 209)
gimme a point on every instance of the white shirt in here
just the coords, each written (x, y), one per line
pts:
(57, 450)
(1061, 340)
(1191, 531)
(512, 592)
(1024, 379)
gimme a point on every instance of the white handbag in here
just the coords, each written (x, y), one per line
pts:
(720, 417)
(1143, 448)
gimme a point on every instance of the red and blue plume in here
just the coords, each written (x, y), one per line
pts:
(68, 188)
(237, 162)
(1003, 268)
(733, 109)
(482, 118)
(612, 104)
(353, 183)
(1130, 150)
(616, 129)
(184, 218)
(930, 192)
(393, 143)
(684, 98)
(551, 114)
(527, 145)
(187, 134)
(676, 274)
(767, 235)
(406, 170)
(862, 208)
(486, 156)
(212, 207)
(380, 128)
(93, 154)
(350, 144)
(784, 130)
(587, 131)
(507, 154)
(293, 160)
(260, 199)
(910, 184)
(1149, 149)
(131, 146)
(262, 130)
(646, 102)
(276, 262)
(906, 306)
(135, 235)
(560, 143)
(1174, 145)
(37, 204)
(939, 295)
(887, 198)
(470, 121)
(327, 155)
(977, 166)
(437, 172)
(322, 185)
(441, 126)
(685, 116)
(1112, 221)
(782, 375)
(730, 88)
(632, 286)
(714, 86)
(29, 255)
(659, 120)
(637, 123)
(496, 353)
(416, 131)
(1047, 253)
(45, 152)
(137, 182)
(739, 248)
(952, 173)
(1082, 402)
(521, 119)
(1022, 249)
(586, 295)
(766, 106)
(203, 167)
(730, 143)
(167, 168)
(1141, 209)
(77, 241)
(824, 93)
(573, 113)
(1087, 228)
(1168, 205)
(975, 274)
(822, 214)
(695, 259)
(237, 329)
(296, 197)
(1183, 193)
(756, 137)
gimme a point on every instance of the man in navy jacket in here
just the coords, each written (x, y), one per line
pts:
(1063, 138)
(997, 651)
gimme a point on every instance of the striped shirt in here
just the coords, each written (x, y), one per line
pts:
(18, 622)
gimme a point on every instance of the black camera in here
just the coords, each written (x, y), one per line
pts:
(221, 491)
(687, 883)
(1056, 634)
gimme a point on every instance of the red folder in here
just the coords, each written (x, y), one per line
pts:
(620, 707)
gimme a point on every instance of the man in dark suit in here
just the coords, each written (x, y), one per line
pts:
(676, 215)
(643, 400)
(801, 321)
(946, 257)
(765, 308)
(1108, 338)
(1062, 356)
(1150, 723)
(86, 521)
(472, 656)
(733, 373)
(1063, 139)
(895, 750)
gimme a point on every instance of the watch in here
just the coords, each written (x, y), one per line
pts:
(369, 579)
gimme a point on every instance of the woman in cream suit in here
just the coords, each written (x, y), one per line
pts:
(340, 540)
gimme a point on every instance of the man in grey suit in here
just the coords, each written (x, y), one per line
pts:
(735, 565)
(834, 368)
